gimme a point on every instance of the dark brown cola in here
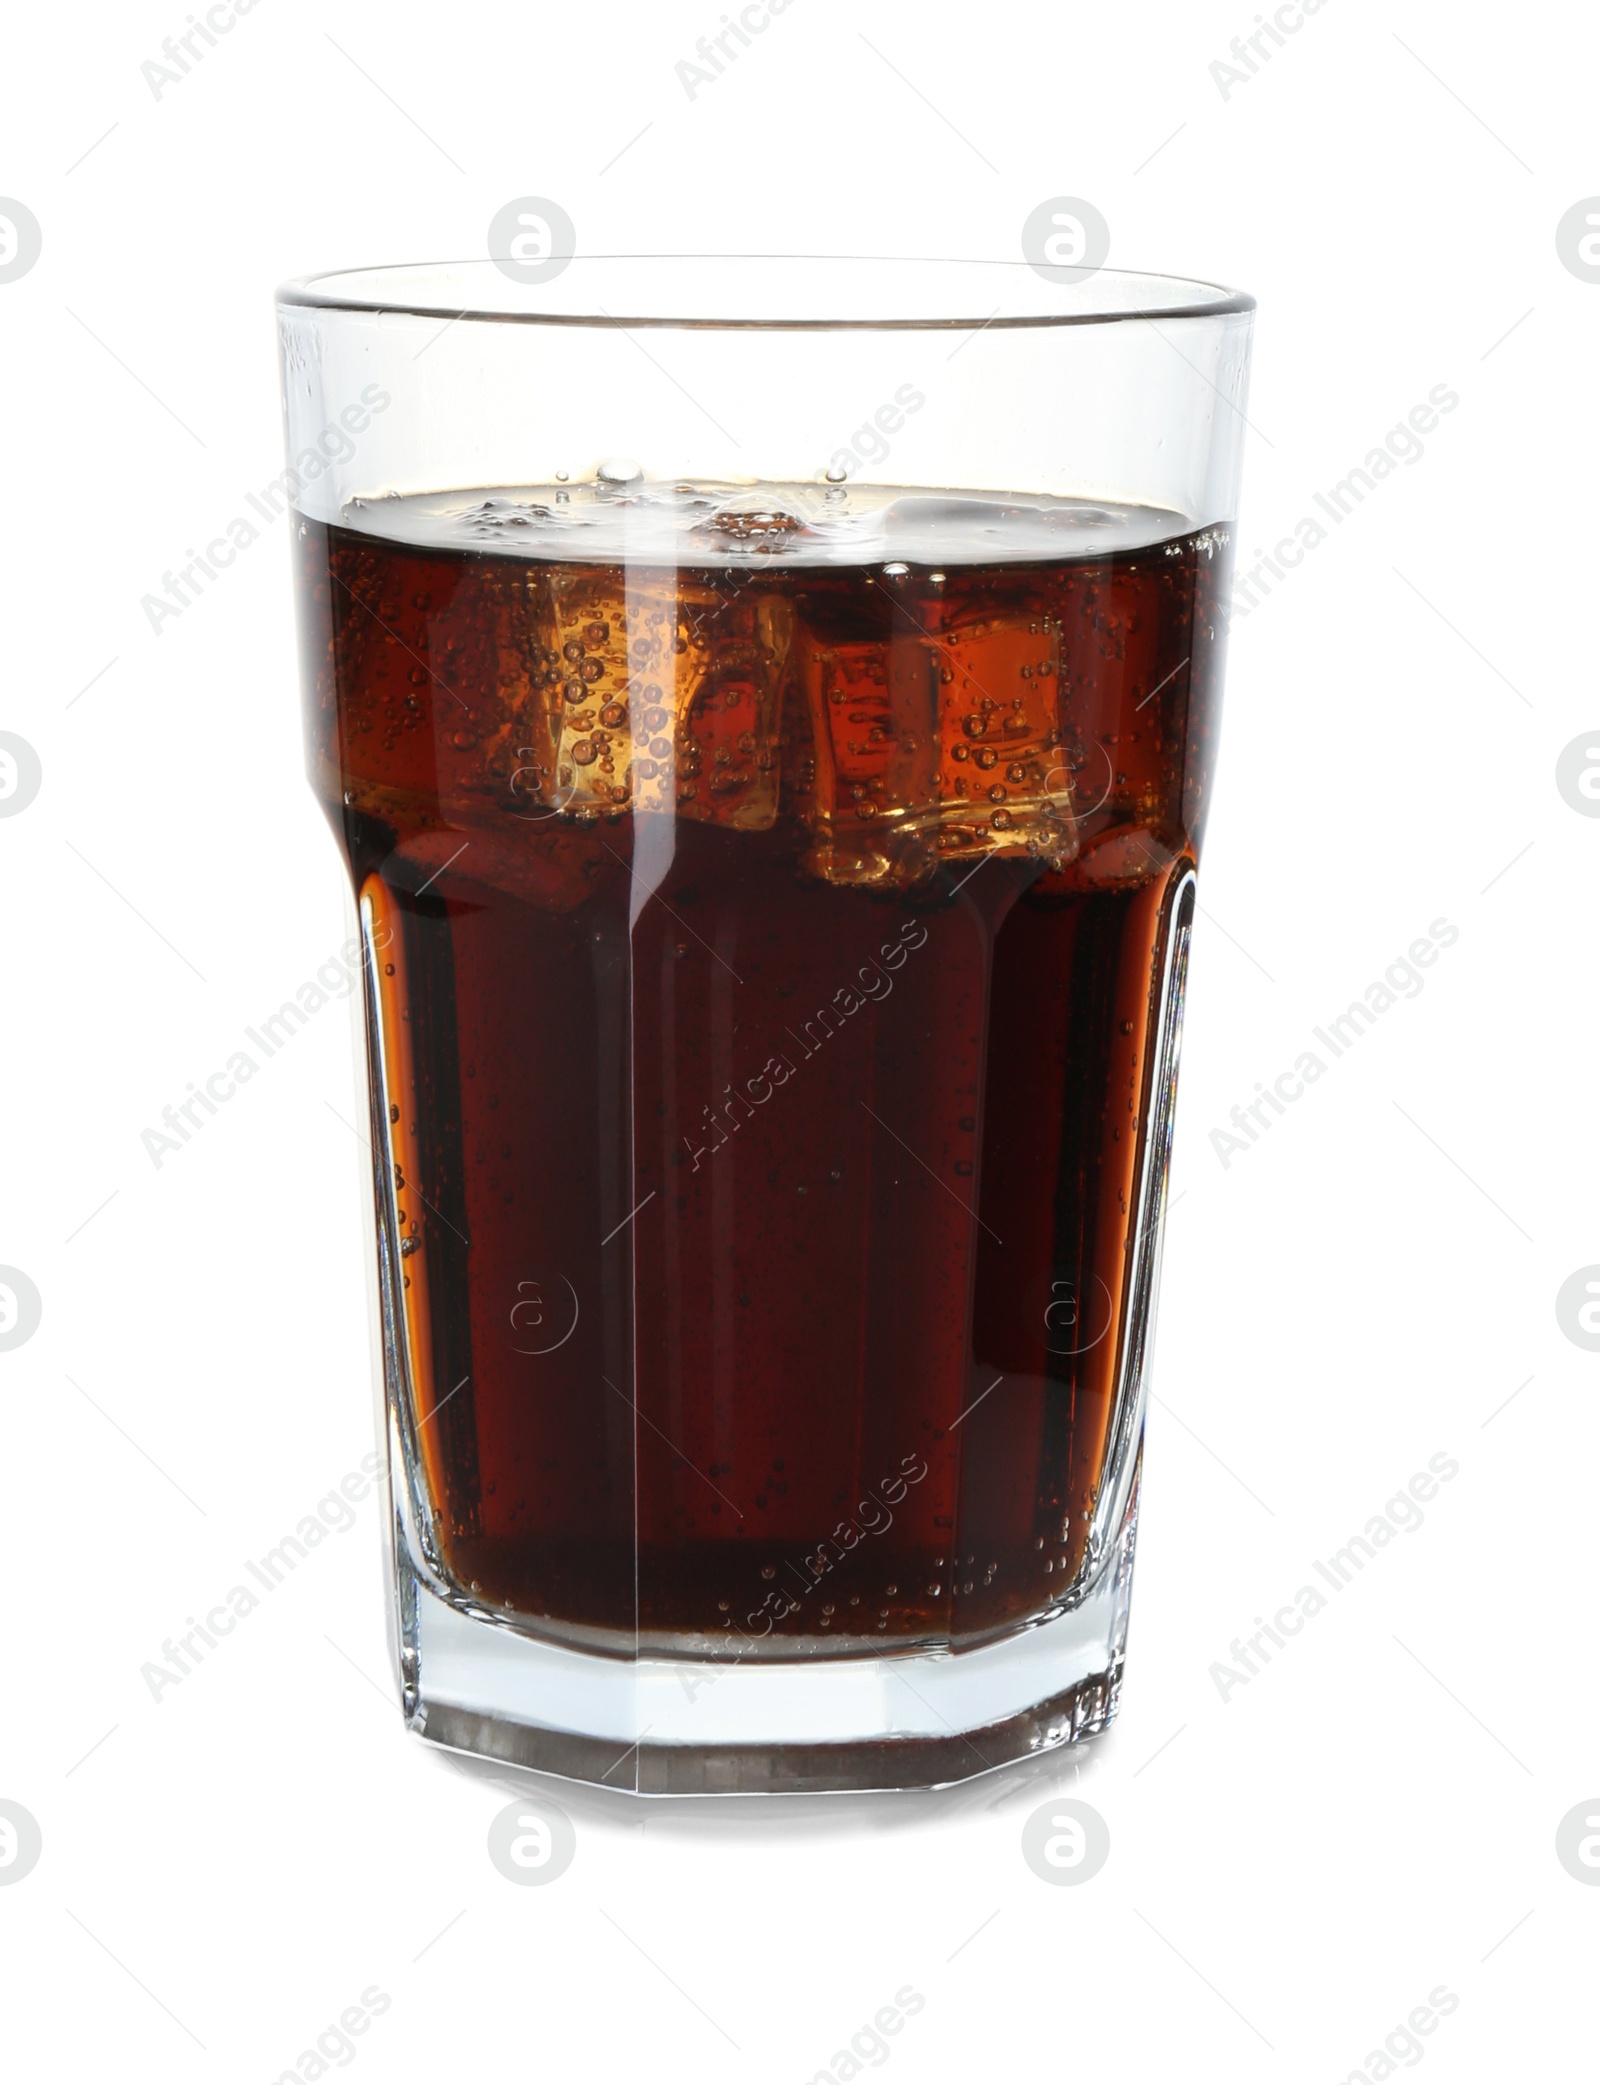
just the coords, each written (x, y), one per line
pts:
(768, 896)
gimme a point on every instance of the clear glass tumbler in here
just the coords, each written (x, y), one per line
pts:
(767, 708)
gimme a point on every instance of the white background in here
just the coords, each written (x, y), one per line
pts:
(1294, 1869)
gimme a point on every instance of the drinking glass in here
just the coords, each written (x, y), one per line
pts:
(767, 710)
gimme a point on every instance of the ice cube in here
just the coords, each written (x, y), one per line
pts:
(588, 703)
(936, 739)
(666, 697)
(728, 758)
(873, 708)
(1002, 778)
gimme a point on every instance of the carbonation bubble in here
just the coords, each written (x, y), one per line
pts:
(758, 525)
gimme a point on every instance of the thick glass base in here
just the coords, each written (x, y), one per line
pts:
(669, 1726)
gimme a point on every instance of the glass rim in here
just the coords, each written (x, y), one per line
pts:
(366, 290)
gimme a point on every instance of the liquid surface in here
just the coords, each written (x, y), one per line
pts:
(768, 934)
(619, 515)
